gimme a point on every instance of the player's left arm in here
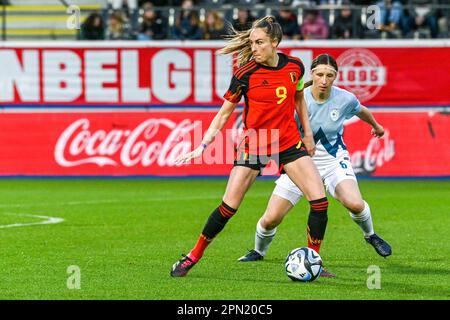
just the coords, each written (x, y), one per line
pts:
(365, 115)
(302, 110)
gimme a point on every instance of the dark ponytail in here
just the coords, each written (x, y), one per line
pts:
(307, 84)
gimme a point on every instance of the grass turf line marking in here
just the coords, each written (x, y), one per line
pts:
(47, 220)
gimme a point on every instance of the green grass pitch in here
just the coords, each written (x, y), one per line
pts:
(124, 236)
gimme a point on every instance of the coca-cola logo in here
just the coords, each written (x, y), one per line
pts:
(377, 153)
(143, 145)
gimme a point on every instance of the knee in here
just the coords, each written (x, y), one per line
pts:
(355, 206)
(269, 222)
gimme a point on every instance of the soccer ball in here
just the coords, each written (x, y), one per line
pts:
(303, 264)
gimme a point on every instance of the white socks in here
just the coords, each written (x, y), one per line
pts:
(364, 220)
(263, 238)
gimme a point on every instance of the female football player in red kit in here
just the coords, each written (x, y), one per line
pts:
(272, 86)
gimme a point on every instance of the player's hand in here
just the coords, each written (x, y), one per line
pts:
(378, 131)
(309, 144)
(184, 158)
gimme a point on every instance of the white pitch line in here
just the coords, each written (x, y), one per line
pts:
(54, 220)
(48, 220)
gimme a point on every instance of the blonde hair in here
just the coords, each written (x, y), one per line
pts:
(239, 41)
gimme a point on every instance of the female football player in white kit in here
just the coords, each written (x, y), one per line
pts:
(328, 108)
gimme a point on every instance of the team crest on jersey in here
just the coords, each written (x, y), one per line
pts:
(334, 114)
(293, 77)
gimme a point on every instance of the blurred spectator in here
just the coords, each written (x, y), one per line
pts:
(130, 10)
(391, 14)
(153, 25)
(92, 28)
(214, 26)
(420, 18)
(288, 21)
(314, 26)
(117, 27)
(4, 2)
(443, 16)
(244, 20)
(347, 24)
(187, 23)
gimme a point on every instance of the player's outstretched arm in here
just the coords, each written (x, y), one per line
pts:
(366, 116)
(302, 110)
(215, 127)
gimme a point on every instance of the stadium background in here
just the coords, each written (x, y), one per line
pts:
(94, 97)
(117, 107)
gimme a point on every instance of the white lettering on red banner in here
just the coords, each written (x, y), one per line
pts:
(79, 144)
(198, 76)
(147, 143)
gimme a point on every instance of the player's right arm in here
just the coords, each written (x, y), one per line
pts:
(219, 121)
(232, 98)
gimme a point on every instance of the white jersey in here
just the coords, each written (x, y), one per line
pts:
(327, 122)
(331, 157)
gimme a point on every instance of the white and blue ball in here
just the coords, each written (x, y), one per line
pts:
(303, 264)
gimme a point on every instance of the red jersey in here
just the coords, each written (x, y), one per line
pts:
(269, 93)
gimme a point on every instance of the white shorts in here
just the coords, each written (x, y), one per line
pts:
(332, 173)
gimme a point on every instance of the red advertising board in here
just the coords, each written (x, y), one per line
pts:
(416, 144)
(409, 74)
